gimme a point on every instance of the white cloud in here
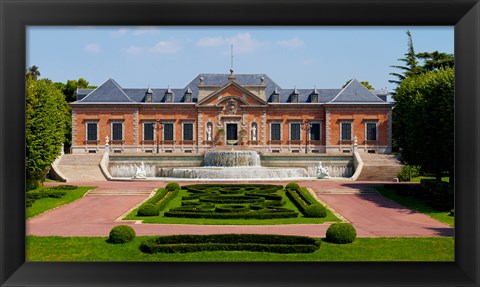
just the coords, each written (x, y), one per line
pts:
(210, 42)
(162, 47)
(134, 50)
(122, 31)
(165, 47)
(92, 48)
(293, 43)
(145, 30)
(244, 43)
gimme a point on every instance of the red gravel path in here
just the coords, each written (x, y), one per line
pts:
(371, 214)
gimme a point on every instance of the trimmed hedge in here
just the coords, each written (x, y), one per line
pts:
(292, 186)
(154, 205)
(307, 205)
(259, 214)
(341, 233)
(121, 234)
(171, 186)
(148, 210)
(231, 242)
(232, 201)
(54, 192)
(315, 210)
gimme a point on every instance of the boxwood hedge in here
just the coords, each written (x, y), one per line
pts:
(231, 242)
(307, 205)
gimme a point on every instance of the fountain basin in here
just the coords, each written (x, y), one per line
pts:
(234, 173)
(232, 158)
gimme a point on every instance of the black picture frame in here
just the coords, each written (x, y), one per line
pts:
(16, 15)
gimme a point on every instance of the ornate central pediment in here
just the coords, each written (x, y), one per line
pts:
(231, 97)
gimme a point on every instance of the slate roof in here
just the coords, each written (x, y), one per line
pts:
(355, 92)
(111, 92)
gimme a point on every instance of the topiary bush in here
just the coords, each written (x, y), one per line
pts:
(171, 186)
(315, 210)
(292, 186)
(121, 234)
(148, 210)
(408, 172)
(341, 233)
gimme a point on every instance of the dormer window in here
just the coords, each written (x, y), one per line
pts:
(275, 96)
(314, 96)
(149, 95)
(168, 96)
(188, 96)
(294, 96)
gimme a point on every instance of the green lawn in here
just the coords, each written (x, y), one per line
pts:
(44, 204)
(419, 178)
(363, 249)
(177, 202)
(418, 205)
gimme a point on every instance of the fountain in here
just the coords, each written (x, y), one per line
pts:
(229, 158)
(225, 163)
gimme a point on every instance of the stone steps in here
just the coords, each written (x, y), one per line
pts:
(81, 167)
(380, 167)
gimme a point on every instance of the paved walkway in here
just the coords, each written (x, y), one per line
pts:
(371, 214)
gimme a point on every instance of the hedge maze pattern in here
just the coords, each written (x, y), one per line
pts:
(232, 201)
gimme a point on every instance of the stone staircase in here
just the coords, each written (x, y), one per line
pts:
(379, 167)
(81, 167)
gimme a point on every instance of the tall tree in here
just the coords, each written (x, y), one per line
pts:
(46, 122)
(436, 60)
(423, 120)
(411, 63)
(71, 86)
(33, 72)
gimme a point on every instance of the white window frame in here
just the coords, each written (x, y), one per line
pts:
(290, 130)
(111, 130)
(86, 131)
(275, 122)
(366, 131)
(183, 130)
(154, 130)
(351, 130)
(173, 130)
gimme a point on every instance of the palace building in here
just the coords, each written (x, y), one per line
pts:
(231, 109)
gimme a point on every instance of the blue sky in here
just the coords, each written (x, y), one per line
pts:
(304, 57)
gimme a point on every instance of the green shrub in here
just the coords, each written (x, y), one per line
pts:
(148, 210)
(315, 210)
(171, 186)
(258, 214)
(438, 194)
(341, 233)
(408, 172)
(121, 234)
(292, 186)
(231, 242)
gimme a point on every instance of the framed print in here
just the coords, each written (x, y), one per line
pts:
(157, 136)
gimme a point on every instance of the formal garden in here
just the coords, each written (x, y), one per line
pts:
(232, 204)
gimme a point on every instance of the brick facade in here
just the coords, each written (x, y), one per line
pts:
(222, 107)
